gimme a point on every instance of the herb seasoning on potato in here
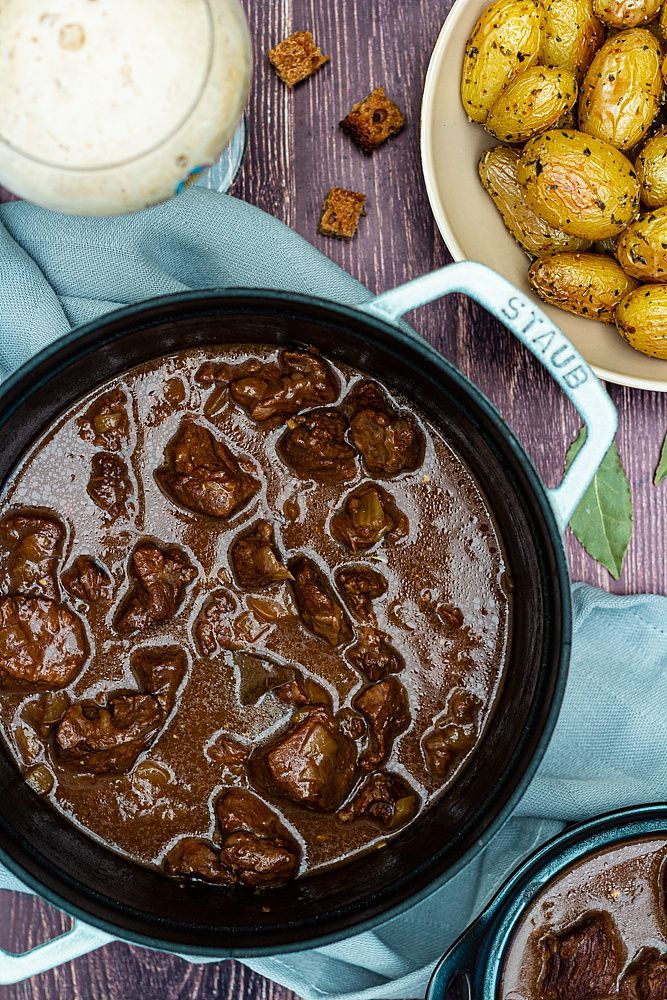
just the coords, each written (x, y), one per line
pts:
(621, 93)
(497, 170)
(651, 167)
(579, 184)
(532, 103)
(588, 284)
(505, 41)
(571, 37)
(626, 13)
(641, 319)
(642, 247)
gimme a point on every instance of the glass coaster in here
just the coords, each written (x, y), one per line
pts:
(221, 175)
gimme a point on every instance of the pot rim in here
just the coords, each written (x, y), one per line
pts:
(81, 341)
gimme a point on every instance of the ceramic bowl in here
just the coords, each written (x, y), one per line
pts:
(470, 225)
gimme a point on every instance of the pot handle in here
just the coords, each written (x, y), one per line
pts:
(452, 976)
(534, 329)
(77, 941)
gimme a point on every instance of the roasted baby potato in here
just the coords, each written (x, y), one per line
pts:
(571, 36)
(626, 13)
(533, 102)
(579, 184)
(641, 319)
(588, 284)
(651, 168)
(621, 92)
(505, 41)
(497, 171)
(641, 249)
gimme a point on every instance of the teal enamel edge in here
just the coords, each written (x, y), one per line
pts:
(386, 308)
(479, 954)
(79, 940)
(550, 346)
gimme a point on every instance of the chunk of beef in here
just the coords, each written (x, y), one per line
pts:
(301, 691)
(31, 545)
(316, 602)
(313, 763)
(109, 486)
(453, 734)
(201, 474)
(195, 858)
(388, 445)
(227, 751)
(646, 978)
(256, 846)
(107, 737)
(390, 440)
(368, 515)
(255, 559)
(445, 744)
(106, 423)
(440, 612)
(241, 811)
(386, 707)
(218, 626)
(364, 395)
(385, 798)
(360, 586)
(88, 580)
(161, 576)
(275, 389)
(581, 962)
(43, 644)
(464, 707)
(257, 861)
(160, 671)
(351, 723)
(374, 656)
(214, 629)
(314, 447)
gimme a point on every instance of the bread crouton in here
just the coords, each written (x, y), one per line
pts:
(373, 120)
(297, 58)
(341, 213)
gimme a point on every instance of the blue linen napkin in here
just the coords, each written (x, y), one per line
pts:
(608, 749)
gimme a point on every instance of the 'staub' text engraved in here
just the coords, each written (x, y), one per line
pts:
(547, 341)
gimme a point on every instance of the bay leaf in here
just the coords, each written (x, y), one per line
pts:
(602, 522)
(661, 471)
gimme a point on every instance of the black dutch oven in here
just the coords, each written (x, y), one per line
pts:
(127, 901)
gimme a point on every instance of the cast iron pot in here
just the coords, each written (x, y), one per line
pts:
(473, 967)
(122, 899)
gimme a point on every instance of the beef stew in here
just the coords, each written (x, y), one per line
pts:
(252, 572)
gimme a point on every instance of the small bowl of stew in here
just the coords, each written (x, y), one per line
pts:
(584, 918)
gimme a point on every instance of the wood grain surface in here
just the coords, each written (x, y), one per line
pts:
(296, 152)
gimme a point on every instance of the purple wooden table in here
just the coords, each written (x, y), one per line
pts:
(296, 153)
